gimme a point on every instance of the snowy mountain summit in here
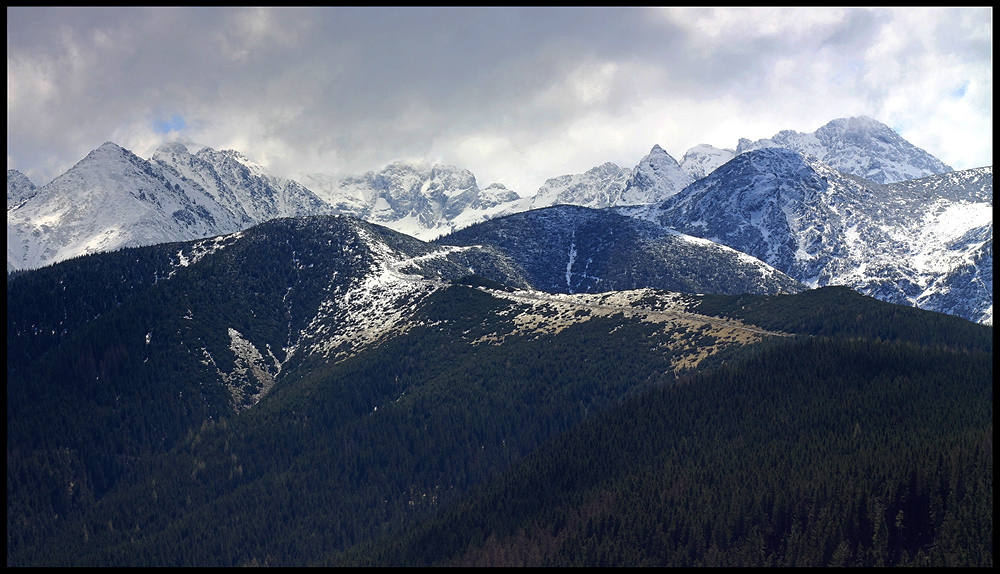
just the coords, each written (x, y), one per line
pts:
(860, 146)
(925, 243)
(113, 198)
(703, 159)
(415, 198)
(19, 188)
(597, 188)
(655, 178)
(240, 186)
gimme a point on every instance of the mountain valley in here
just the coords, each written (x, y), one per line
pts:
(779, 355)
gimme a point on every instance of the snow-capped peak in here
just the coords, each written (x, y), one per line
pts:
(169, 149)
(19, 188)
(657, 177)
(703, 159)
(859, 146)
(908, 243)
(598, 188)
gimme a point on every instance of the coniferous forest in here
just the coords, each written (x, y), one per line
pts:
(863, 439)
(823, 452)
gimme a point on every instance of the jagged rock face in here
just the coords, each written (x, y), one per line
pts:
(953, 243)
(860, 146)
(420, 200)
(703, 159)
(113, 198)
(657, 177)
(497, 194)
(572, 249)
(897, 242)
(240, 185)
(19, 188)
(597, 188)
(743, 203)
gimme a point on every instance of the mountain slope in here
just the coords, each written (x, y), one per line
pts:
(113, 198)
(286, 392)
(860, 146)
(597, 188)
(417, 199)
(110, 199)
(572, 249)
(294, 327)
(818, 453)
(703, 159)
(242, 187)
(19, 188)
(896, 242)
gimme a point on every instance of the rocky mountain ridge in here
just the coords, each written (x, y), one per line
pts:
(112, 199)
(905, 243)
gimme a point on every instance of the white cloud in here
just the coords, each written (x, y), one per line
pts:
(736, 24)
(515, 95)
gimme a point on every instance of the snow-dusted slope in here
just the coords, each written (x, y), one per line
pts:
(655, 178)
(19, 188)
(110, 199)
(241, 186)
(113, 198)
(859, 146)
(953, 243)
(703, 159)
(898, 242)
(420, 200)
(573, 249)
(598, 187)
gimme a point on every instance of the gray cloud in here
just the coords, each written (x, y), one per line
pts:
(515, 94)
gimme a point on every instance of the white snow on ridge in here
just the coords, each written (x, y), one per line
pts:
(204, 247)
(943, 225)
(373, 307)
(569, 265)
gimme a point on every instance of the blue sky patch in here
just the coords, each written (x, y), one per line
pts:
(174, 124)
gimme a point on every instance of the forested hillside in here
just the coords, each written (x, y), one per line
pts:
(342, 452)
(489, 425)
(820, 452)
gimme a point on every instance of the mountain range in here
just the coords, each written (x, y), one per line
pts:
(113, 198)
(689, 363)
(325, 390)
(925, 242)
(421, 200)
(852, 203)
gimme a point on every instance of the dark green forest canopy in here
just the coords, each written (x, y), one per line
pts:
(794, 451)
(820, 452)
(842, 312)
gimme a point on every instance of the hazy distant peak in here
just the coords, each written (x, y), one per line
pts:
(172, 148)
(108, 149)
(860, 146)
(19, 188)
(703, 159)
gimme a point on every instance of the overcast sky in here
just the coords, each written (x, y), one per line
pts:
(516, 95)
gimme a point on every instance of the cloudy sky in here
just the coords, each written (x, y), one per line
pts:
(517, 95)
